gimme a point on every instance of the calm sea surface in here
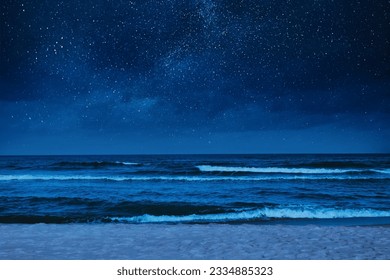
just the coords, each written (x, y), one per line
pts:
(297, 189)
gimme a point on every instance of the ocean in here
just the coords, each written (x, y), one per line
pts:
(264, 189)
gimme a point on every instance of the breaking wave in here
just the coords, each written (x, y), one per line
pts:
(285, 170)
(258, 214)
(180, 178)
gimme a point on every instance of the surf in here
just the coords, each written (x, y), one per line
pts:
(28, 177)
(210, 168)
(258, 214)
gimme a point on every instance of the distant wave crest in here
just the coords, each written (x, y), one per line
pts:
(385, 171)
(185, 178)
(180, 178)
(210, 168)
(90, 164)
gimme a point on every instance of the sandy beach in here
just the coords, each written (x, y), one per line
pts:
(123, 241)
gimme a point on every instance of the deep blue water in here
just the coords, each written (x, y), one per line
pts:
(335, 189)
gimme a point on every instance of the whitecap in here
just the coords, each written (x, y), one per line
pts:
(265, 213)
(210, 168)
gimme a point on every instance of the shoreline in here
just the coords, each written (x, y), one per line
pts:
(190, 242)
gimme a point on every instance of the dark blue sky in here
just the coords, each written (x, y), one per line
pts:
(196, 76)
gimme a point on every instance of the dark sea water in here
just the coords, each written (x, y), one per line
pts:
(297, 189)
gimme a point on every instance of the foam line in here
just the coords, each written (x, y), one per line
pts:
(210, 168)
(292, 213)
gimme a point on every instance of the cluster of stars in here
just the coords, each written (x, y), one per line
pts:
(199, 61)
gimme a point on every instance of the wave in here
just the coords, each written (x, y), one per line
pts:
(55, 177)
(385, 171)
(91, 164)
(210, 168)
(334, 164)
(179, 178)
(258, 214)
(129, 212)
(126, 163)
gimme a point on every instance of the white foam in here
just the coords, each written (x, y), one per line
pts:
(56, 177)
(210, 168)
(292, 213)
(385, 171)
(179, 178)
(126, 163)
(323, 213)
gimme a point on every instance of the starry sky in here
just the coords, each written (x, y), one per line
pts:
(194, 76)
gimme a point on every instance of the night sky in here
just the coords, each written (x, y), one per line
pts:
(194, 76)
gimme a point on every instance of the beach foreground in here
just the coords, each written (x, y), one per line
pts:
(124, 241)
